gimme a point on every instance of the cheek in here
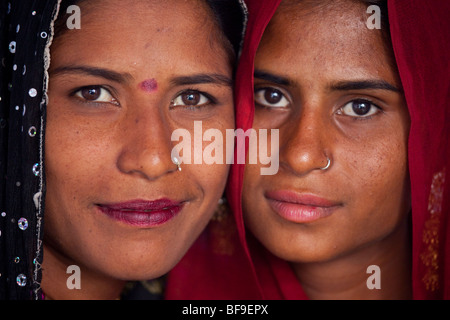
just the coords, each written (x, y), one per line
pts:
(253, 196)
(377, 177)
(75, 155)
(212, 179)
(68, 153)
(252, 178)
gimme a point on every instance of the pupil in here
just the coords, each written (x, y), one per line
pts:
(91, 93)
(272, 96)
(361, 107)
(191, 99)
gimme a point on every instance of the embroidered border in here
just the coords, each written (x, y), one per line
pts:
(430, 237)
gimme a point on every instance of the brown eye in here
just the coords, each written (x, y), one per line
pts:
(191, 98)
(359, 108)
(270, 97)
(96, 94)
(273, 96)
(91, 93)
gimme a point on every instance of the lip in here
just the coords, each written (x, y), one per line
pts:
(300, 207)
(142, 213)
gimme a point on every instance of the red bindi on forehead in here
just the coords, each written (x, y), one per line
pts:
(149, 85)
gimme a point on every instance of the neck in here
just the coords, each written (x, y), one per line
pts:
(346, 277)
(93, 285)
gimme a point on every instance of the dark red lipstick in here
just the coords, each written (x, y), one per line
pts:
(142, 213)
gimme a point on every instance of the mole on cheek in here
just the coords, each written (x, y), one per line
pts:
(149, 85)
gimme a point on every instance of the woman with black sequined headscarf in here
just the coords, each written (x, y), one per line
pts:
(86, 117)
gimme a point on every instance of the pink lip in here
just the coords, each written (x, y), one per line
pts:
(300, 207)
(142, 213)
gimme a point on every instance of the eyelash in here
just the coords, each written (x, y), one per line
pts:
(362, 118)
(340, 110)
(96, 103)
(260, 89)
(212, 100)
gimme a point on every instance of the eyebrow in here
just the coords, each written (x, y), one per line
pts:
(363, 84)
(93, 71)
(124, 77)
(337, 86)
(201, 78)
(263, 75)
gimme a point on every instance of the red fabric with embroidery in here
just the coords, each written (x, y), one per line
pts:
(420, 37)
(242, 269)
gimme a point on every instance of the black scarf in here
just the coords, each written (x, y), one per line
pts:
(24, 40)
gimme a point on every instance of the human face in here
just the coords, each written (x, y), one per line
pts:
(327, 83)
(119, 87)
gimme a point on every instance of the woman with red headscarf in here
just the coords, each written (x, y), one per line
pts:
(363, 159)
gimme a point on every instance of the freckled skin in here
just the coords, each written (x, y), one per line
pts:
(368, 175)
(119, 148)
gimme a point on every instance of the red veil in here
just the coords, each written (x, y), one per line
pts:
(227, 263)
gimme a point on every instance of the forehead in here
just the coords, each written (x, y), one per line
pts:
(142, 30)
(326, 36)
(144, 11)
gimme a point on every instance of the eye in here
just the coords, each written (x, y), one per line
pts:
(95, 94)
(360, 108)
(271, 97)
(191, 98)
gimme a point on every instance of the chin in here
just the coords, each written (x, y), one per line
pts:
(138, 272)
(303, 255)
(301, 251)
(131, 265)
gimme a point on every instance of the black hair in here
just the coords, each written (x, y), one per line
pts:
(231, 18)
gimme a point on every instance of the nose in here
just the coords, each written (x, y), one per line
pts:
(304, 145)
(146, 145)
